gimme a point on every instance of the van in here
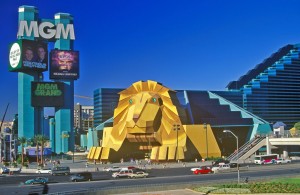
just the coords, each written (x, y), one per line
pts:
(60, 171)
(84, 176)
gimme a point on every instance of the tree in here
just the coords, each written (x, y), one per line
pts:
(22, 141)
(43, 141)
(40, 140)
(297, 126)
(36, 140)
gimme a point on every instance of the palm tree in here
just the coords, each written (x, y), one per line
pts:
(22, 141)
(43, 140)
(37, 139)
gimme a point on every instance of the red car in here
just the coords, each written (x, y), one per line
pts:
(202, 170)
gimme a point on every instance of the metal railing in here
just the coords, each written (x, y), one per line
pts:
(246, 147)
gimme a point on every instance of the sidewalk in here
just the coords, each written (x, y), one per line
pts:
(80, 165)
(168, 192)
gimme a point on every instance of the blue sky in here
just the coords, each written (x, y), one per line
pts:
(195, 44)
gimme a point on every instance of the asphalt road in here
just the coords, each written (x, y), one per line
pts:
(158, 178)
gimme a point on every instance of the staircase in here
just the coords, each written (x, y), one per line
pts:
(248, 149)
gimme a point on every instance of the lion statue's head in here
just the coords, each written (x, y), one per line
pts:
(146, 114)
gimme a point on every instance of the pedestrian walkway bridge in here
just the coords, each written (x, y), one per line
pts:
(250, 147)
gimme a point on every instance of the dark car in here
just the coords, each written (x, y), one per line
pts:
(85, 176)
(38, 180)
(233, 165)
(60, 171)
(221, 160)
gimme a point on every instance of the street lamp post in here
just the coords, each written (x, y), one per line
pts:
(205, 127)
(237, 151)
(176, 127)
(74, 133)
(0, 147)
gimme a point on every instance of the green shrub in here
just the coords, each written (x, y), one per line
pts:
(205, 189)
(232, 191)
(14, 164)
(19, 159)
(6, 164)
(26, 164)
(264, 187)
(273, 187)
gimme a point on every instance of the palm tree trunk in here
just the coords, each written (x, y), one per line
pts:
(37, 153)
(22, 152)
(42, 148)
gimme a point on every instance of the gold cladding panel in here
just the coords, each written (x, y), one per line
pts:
(162, 153)
(92, 149)
(171, 153)
(197, 135)
(89, 154)
(106, 136)
(149, 112)
(154, 153)
(180, 153)
(105, 153)
(97, 153)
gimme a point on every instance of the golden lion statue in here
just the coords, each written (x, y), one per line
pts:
(149, 121)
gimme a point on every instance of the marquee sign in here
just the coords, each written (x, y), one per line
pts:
(47, 94)
(46, 30)
(25, 55)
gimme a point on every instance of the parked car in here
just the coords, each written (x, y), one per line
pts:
(85, 176)
(112, 169)
(122, 174)
(60, 171)
(38, 180)
(202, 170)
(221, 166)
(4, 170)
(139, 174)
(282, 161)
(39, 171)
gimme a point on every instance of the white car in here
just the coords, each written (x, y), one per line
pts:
(282, 161)
(112, 169)
(139, 174)
(221, 166)
(39, 171)
(122, 174)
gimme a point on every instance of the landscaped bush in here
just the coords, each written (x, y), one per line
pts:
(274, 187)
(6, 164)
(268, 187)
(205, 189)
(14, 164)
(232, 191)
(19, 159)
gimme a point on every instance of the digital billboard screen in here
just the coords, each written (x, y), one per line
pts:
(28, 55)
(47, 94)
(64, 64)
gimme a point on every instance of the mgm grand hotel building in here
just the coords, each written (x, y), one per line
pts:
(266, 94)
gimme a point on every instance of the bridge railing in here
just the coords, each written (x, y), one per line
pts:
(286, 134)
